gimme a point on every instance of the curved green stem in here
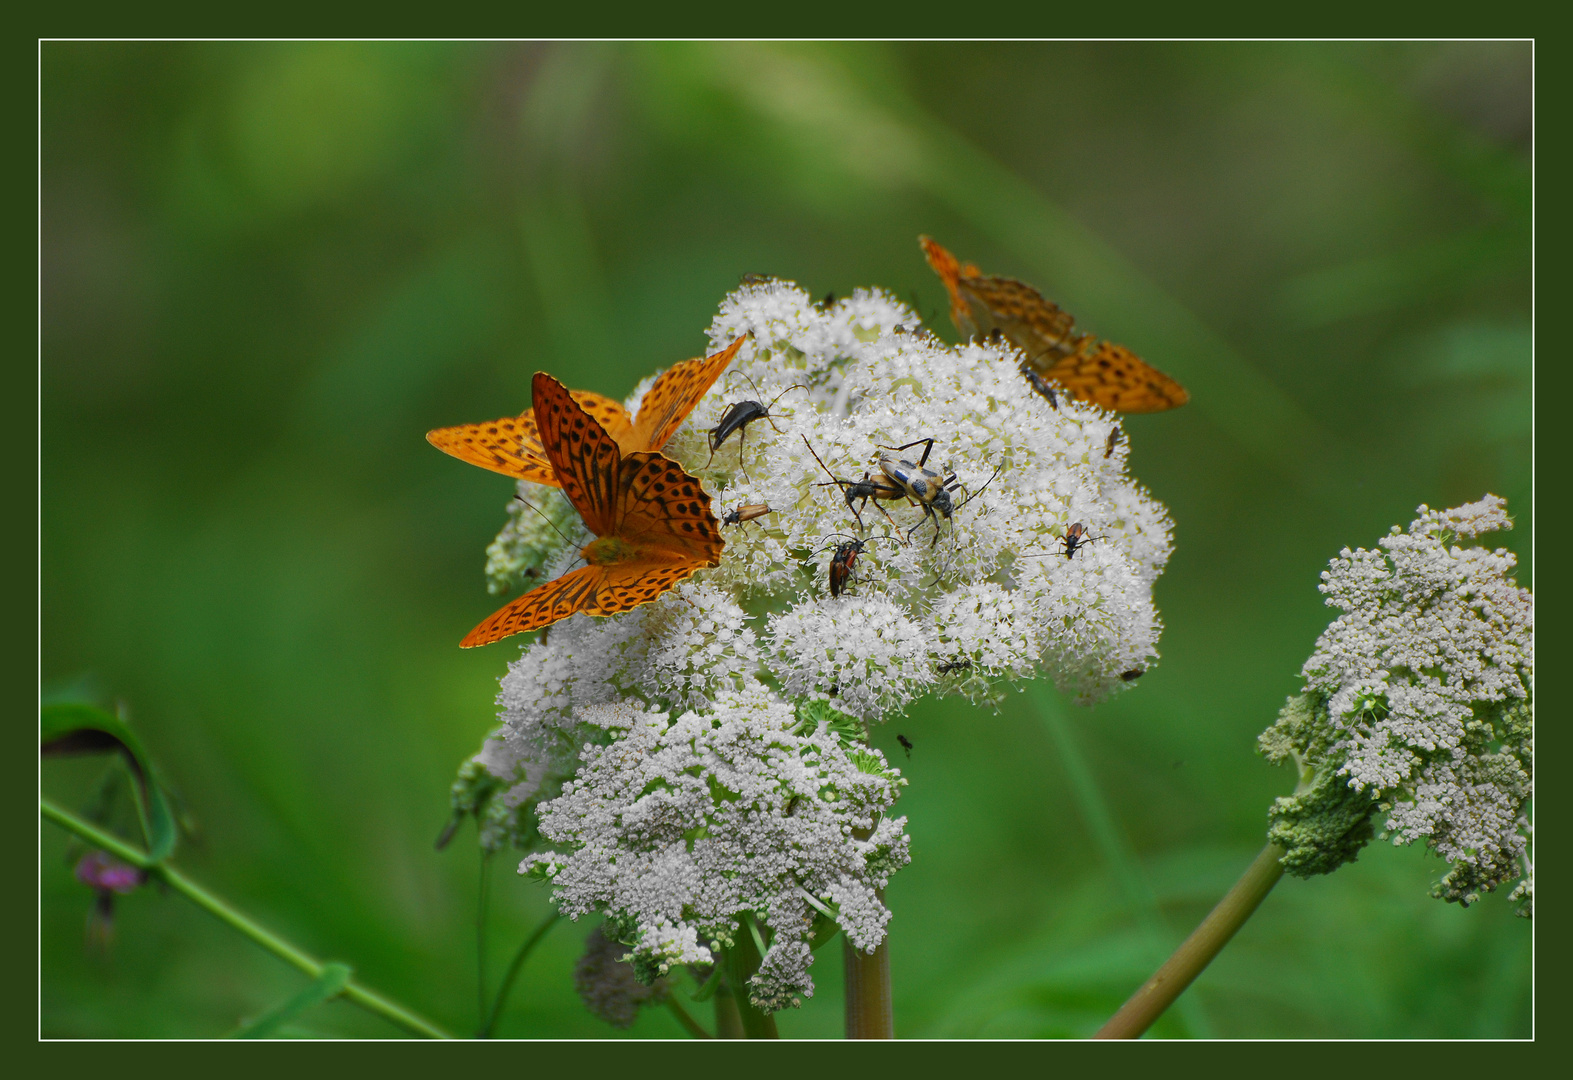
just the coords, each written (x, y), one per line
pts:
(1198, 950)
(513, 972)
(366, 999)
(690, 1025)
(728, 1021)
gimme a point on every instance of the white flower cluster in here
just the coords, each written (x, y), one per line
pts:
(679, 826)
(961, 604)
(1427, 678)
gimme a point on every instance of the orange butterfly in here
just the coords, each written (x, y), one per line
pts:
(512, 445)
(651, 520)
(1101, 372)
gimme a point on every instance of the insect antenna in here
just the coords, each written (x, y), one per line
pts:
(751, 384)
(828, 473)
(543, 517)
(778, 397)
(832, 536)
(981, 490)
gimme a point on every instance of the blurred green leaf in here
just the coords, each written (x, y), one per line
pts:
(68, 728)
(272, 1024)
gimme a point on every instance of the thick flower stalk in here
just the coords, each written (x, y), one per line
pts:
(700, 764)
(1417, 707)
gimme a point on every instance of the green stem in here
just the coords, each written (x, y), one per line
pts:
(512, 973)
(1192, 957)
(728, 1021)
(480, 935)
(867, 977)
(1112, 844)
(690, 1025)
(742, 960)
(366, 999)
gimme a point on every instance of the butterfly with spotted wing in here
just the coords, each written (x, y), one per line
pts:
(1099, 372)
(513, 445)
(651, 519)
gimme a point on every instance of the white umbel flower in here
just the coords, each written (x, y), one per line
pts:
(967, 602)
(681, 828)
(1426, 679)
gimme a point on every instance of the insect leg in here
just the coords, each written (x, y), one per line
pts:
(927, 444)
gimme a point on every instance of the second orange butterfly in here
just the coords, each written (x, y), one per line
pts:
(1100, 372)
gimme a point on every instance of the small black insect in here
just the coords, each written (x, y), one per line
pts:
(737, 418)
(905, 745)
(1114, 440)
(1041, 385)
(1133, 674)
(828, 301)
(950, 667)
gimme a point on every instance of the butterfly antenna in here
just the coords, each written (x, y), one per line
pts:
(544, 518)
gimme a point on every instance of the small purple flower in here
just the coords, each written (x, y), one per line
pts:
(102, 871)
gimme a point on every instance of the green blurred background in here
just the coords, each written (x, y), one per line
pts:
(268, 269)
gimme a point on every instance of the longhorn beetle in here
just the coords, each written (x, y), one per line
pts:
(745, 513)
(1038, 383)
(748, 512)
(1075, 536)
(924, 486)
(846, 553)
(865, 489)
(1041, 385)
(737, 418)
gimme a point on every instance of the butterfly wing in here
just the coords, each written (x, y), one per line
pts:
(949, 271)
(1108, 375)
(1113, 377)
(583, 456)
(662, 518)
(1038, 327)
(541, 606)
(664, 513)
(512, 445)
(508, 446)
(673, 396)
